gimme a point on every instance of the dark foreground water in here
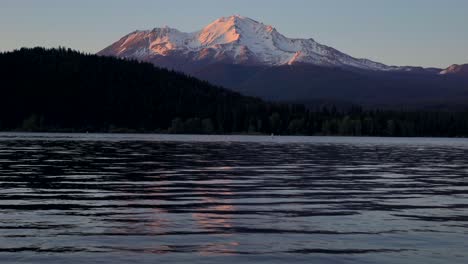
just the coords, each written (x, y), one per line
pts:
(193, 199)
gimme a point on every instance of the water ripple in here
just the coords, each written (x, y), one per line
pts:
(122, 198)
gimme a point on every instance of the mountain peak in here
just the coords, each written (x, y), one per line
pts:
(236, 19)
(228, 29)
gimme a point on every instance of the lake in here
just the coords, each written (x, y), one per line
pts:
(97, 198)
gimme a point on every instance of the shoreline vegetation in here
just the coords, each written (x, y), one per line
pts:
(163, 132)
(337, 128)
(61, 90)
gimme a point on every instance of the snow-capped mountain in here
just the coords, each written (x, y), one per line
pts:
(249, 57)
(456, 69)
(234, 40)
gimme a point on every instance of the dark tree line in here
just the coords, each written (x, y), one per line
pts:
(64, 90)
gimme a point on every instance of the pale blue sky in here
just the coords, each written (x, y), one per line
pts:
(397, 32)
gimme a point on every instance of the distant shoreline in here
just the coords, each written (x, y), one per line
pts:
(218, 136)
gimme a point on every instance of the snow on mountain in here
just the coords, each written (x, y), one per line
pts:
(456, 69)
(237, 40)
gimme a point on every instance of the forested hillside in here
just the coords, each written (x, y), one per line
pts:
(64, 90)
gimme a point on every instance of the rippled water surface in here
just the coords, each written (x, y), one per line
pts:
(211, 199)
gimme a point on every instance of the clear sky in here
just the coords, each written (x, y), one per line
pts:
(396, 32)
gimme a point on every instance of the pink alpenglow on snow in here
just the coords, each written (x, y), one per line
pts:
(237, 40)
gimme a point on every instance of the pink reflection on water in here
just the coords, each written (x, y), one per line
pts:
(217, 219)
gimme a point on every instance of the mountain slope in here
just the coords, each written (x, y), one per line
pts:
(306, 83)
(64, 89)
